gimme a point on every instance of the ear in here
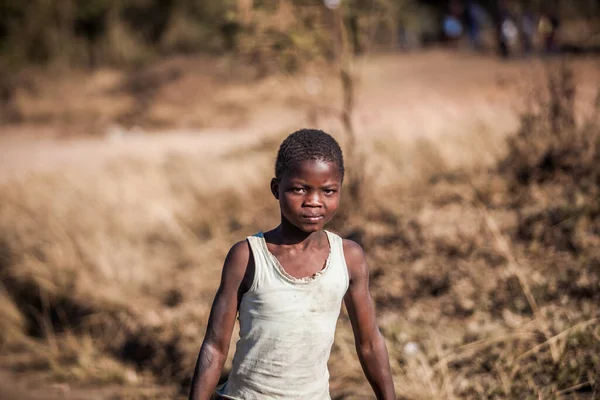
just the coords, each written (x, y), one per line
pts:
(275, 188)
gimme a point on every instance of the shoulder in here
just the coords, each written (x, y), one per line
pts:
(238, 269)
(238, 258)
(240, 251)
(353, 251)
(355, 258)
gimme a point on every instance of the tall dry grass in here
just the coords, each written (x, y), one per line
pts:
(486, 281)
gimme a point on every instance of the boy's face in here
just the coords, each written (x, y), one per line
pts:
(309, 194)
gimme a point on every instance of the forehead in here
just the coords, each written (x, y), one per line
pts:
(314, 170)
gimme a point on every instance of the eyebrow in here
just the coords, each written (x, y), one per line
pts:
(300, 182)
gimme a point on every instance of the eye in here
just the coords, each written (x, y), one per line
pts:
(298, 190)
(329, 192)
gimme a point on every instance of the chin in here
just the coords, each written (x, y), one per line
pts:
(310, 228)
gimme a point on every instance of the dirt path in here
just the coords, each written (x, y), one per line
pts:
(432, 94)
(435, 95)
(18, 156)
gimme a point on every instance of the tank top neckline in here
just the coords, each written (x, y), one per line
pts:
(285, 275)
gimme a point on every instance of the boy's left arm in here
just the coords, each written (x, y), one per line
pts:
(370, 345)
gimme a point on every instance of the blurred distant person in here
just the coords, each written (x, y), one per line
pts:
(528, 30)
(286, 287)
(504, 26)
(452, 24)
(474, 17)
(548, 28)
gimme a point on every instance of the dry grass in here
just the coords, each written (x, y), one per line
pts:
(486, 282)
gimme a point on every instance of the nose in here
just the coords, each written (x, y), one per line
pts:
(313, 199)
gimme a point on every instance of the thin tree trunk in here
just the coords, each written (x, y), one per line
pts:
(346, 56)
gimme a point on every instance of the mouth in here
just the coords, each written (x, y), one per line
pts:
(312, 218)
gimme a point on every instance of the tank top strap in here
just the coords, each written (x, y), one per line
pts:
(338, 260)
(261, 259)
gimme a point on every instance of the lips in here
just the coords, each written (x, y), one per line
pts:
(312, 218)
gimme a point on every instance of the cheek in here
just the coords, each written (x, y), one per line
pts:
(332, 203)
(289, 201)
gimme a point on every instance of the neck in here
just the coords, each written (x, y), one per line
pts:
(289, 234)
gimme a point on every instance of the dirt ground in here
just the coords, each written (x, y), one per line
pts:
(435, 95)
(16, 387)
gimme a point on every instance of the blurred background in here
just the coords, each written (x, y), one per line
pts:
(137, 142)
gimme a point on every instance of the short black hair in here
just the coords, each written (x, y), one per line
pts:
(308, 144)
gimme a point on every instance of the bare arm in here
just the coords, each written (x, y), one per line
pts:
(215, 347)
(370, 345)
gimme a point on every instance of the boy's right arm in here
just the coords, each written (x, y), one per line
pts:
(220, 323)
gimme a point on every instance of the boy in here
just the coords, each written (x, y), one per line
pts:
(287, 285)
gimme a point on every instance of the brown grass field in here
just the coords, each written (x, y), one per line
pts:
(120, 195)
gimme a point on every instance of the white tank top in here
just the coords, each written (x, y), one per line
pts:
(287, 326)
